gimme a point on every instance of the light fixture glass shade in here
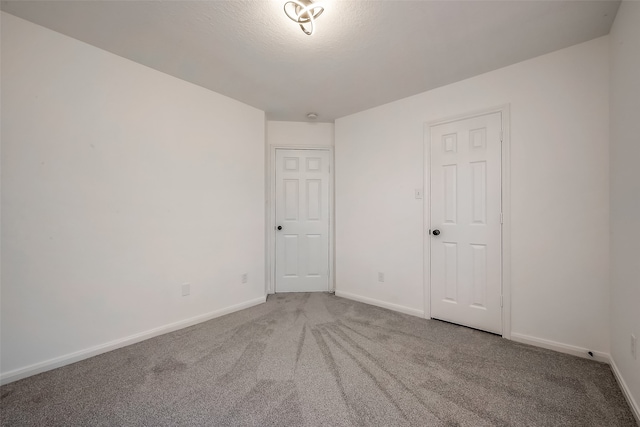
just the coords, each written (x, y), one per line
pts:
(303, 13)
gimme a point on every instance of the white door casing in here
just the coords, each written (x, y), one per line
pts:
(302, 211)
(466, 210)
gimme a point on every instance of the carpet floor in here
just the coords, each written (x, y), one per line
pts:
(316, 359)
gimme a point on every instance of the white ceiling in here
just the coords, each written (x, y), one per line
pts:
(363, 53)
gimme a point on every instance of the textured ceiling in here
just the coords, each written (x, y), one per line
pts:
(363, 53)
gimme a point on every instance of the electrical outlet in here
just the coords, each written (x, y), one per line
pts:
(634, 346)
(244, 278)
(380, 277)
(186, 289)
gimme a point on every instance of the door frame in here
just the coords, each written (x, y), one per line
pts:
(270, 282)
(506, 209)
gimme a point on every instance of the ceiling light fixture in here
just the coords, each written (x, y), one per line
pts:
(312, 116)
(303, 13)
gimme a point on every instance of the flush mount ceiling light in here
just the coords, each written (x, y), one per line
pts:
(303, 13)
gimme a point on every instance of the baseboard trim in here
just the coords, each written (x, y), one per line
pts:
(383, 304)
(47, 365)
(635, 409)
(560, 347)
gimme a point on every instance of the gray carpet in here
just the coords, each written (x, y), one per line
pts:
(316, 359)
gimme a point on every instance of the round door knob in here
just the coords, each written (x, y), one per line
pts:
(279, 227)
(436, 232)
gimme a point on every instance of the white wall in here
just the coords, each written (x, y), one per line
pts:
(300, 134)
(559, 197)
(119, 183)
(625, 194)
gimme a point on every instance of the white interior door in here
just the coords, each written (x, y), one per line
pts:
(302, 220)
(465, 236)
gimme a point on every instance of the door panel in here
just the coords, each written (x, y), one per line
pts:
(450, 271)
(314, 199)
(290, 264)
(466, 282)
(302, 210)
(291, 199)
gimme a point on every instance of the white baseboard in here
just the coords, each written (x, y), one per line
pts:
(383, 304)
(560, 347)
(67, 359)
(635, 409)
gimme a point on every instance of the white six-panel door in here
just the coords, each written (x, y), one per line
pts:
(302, 220)
(465, 236)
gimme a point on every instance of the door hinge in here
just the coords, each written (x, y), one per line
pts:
(501, 218)
(501, 136)
(329, 168)
(500, 300)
